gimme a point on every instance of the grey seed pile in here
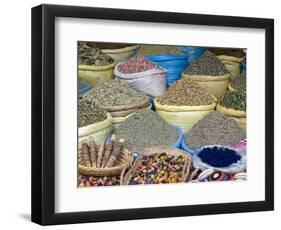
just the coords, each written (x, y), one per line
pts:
(89, 113)
(156, 50)
(208, 64)
(92, 56)
(145, 128)
(114, 92)
(239, 83)
(215, 129)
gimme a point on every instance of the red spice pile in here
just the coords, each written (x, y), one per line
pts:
(136, 64)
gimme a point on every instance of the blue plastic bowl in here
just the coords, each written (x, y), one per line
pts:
(85, 88)
(185, 147)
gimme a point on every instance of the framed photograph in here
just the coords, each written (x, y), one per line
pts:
(143, 114)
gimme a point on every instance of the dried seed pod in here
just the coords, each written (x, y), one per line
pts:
(93, 152)
(115, 152)
(100, 155)
(85, 154)
(108, 150)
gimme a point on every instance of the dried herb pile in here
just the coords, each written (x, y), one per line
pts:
(89, 112)
(145, 128)
(159, 168)
(186, 92)
(92, 56)
(239, 83)
(234, 100)
(114, 92)
(208, 64)
(156, 50)
(215, 129)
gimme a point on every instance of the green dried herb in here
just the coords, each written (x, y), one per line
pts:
(186, 92)
(156, 50)
(89, 113)
(114, 92)
(92, 56)
(234, 100)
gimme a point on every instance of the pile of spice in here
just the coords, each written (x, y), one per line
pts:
(215, 129)
(115, 92)
(159, 168)
(156, 50)
(208, 64)
(186, 92)
(102, 156)
(239, 83)
(234, 100)
(92, 56)
(95, 181)
(218, 156)
(239, 53)
(144, 129)
(135, 65)
(89, 112)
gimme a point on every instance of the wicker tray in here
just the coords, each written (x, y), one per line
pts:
(126, 177)
(122, 162)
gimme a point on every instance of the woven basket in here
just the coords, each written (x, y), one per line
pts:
(230, 112)
(183, 116)
(215, 85)
(230, 88)
(122, 162)
(126, 177)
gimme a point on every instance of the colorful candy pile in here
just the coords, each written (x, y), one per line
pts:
(135, 65)
(159, 169)
(91, 181)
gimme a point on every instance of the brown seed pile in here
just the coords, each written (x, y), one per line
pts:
(186, 92)
(239, 53)
(114, 92)
(136, 64)
(89, 113)
(156, 50)
(215, 129)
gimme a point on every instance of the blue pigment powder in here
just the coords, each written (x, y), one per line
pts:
(218, 156)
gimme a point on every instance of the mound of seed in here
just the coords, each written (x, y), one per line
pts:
(115, 92)
(239, 83)
(92, 56)
(145, 128)
(208, 64)
(186, 92)
(234, 100)
(156, 50)
(136, 64)
(239, 53)
(215, 129)
(89, 113)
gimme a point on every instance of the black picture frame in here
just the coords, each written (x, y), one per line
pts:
(43, 114)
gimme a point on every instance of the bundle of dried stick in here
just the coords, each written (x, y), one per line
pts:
(103, 156)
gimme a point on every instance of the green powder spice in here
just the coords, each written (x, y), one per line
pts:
(89, 113)
(156, 50)
(145, 128)
(92, 56)
(215, 129)
(239, 83)
(115, 92)
(208, 64)
(234, 100)
(186, 92)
